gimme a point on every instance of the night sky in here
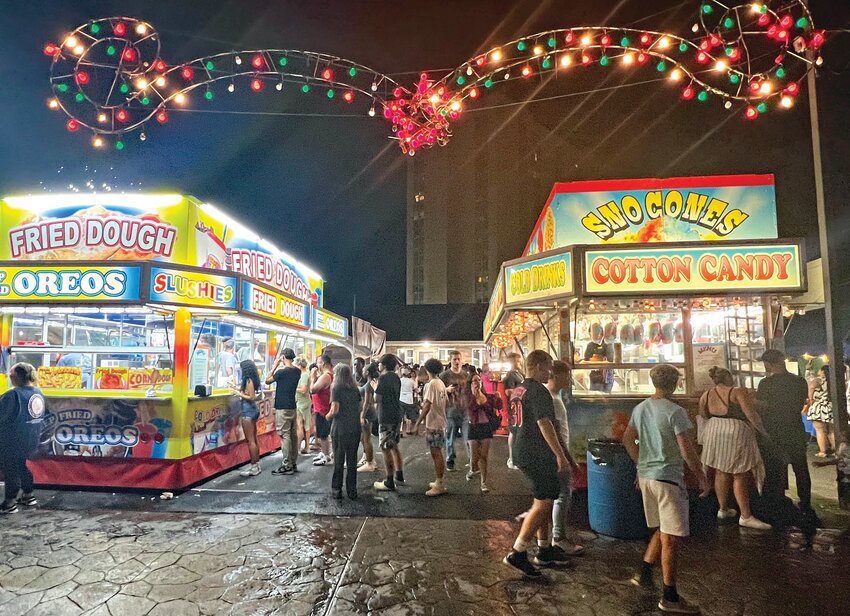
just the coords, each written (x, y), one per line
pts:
(331, 190)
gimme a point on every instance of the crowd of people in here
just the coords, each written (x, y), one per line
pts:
(332, 411)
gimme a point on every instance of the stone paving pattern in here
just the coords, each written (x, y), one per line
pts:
(171, 564)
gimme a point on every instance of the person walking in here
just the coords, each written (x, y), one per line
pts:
(433, 415)
(819, 412)
(22, 411)
(407, 399)
(368, 418)
(286, 381)
(389, 422)
(304, 405)
(539, 455)
(455, 380)
(345, 430)
(561, 509)
(729, 446)
(513, 378)
(783, 396)
(663, 430)
(320, 388)
(481, 412)
(248, 393)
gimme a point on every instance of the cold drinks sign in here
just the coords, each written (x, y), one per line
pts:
(700, 268)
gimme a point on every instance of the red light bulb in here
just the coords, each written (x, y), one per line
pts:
(348, 96)
(764, 19)
(786, 21)
(256, 85)
(735, 54)
(50, 49)
(570, 38)
(782, 35)
(120, 28)
(688, 93)
(605, 40)
(642, 58)
(397, 92)
(751, 113)
(187, 73)
(129, 54)
(793, 89)
(772, 31)
(704, 45)
(162, 117)
(586, 59)
(82, 77)
(818, 39)
(755, 85)
(122, 115)
(715, 40)
(645, 39)
(480, 60)
(527, 71)
(160, 66)
(72, 125)
(258, 61)
(327, 74)
(473, 93)
(702, 57)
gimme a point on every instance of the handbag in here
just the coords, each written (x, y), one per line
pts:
(494, 417)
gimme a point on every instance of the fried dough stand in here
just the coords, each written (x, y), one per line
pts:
(129, 306)
(695, 296)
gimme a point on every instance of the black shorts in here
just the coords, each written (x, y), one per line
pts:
(410, 411)
(544, 480)
(479, 432)
(323, 426)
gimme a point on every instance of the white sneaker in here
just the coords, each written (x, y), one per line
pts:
(471, 475)
(320, 461)
(484, 488)
(368, 467)
(251, 471)
(754, 523)
(436, 489)
(725, 514)
(511, 464)
(361, 462)
(318, 456)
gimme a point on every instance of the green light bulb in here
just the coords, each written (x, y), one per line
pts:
(488, 83)
(460, 80)
(552, 42)
(661, 67)
(728, 22)
(780, 72)
(146, 101)
(702, 96)
(521, 46)
(283, 61)
(625, 42)
(802, 22)
(352, 72)
(305, 88)
(210, 65)
(707, 9)
(547, 63)
(729, 51)
(95, 28)
(80, 97)
(763, 8)
(62, 87)
(209, 95)
(683, 47)
(124, 88)
(110, 51)
(604, 61)
(762, 107)
(330, 93)
(119, 145)
(735, 78)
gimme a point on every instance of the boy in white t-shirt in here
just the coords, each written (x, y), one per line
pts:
(433, 414)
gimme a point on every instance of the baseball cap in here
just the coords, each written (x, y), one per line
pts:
(288, 354)
(772, 356)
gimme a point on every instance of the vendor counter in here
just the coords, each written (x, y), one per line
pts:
(144, 442)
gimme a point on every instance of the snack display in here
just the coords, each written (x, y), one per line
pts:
(60, 377)
(110, 378)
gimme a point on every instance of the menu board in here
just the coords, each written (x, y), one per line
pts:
(60, 377)
(110, 378)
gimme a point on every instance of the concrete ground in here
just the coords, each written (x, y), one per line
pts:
(280, 545)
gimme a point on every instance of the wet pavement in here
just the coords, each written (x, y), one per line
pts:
(131, 564)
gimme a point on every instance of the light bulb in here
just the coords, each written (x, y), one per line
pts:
(538, 50)
(766, 88)
(141, 29)
(496, 56)
(676, 74)
(695, 28)
(469, 70)
(238, 60)
(142, 136)
(101, 117)
(141, 83)
(160, 82)
(371, 112)
(787, 102)
(720, 66)
(279, 87)
(79, 49)
(628, 58)
(180, 98)
(71, 41)
(663, 42)
(566, 60)
(728, 104)
(231, 88)
(586, 40)
(755, 7)
(374, 87)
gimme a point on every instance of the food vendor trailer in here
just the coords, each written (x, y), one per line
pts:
(128, 306)
(620, 276)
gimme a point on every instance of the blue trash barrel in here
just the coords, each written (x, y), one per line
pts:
(614, 505)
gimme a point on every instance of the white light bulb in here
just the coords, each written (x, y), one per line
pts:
(279, 87)
(469, 70)
(238, 60)
(71, 41)
(180, 98)
(231, 88)
(720, 66)
(695, 28)
(566, 60)
(142, 83)
(728, 104)
(160, 82)
(101, 117)
(142, 137)
(79, 49)
(141, 29)
(664, 42)
(586, 40)
(755, 7)
(787, 102)
(676, 74)
(766, 88)
(538, 50)
(496, 55)
(371, 112)
(628, 58)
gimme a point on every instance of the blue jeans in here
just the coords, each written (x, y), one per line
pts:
(453, 422)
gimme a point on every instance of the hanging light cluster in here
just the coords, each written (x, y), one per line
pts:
(108, 75)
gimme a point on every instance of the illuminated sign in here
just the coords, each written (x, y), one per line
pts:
(541, 279)
(192, 288)
(327, 322)
(689, 209)
(69, 283)
(263, 302)
(497, 306)
(694, 269)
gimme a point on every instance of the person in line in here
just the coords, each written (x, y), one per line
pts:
(783, 396)
(539, 455)
(481, 409)
(819, 412)
(513, 378)
(455, 379)
(345, 430)
(286, 381)
(389, 422)
(359, 366)
(369, 419)
(663, 430)
(433, 415)
(227, 364)
(304, 406)
(407, 399)
(729, 445)
(561, 509)
(248, 393)
(22, 411)
(320, 387)
(487, 381)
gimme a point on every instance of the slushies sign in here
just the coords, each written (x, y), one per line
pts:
(70, 283)
(701, 268)
(192, 288)
(541, 279)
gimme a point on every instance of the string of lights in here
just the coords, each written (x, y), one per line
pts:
(109, 77)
